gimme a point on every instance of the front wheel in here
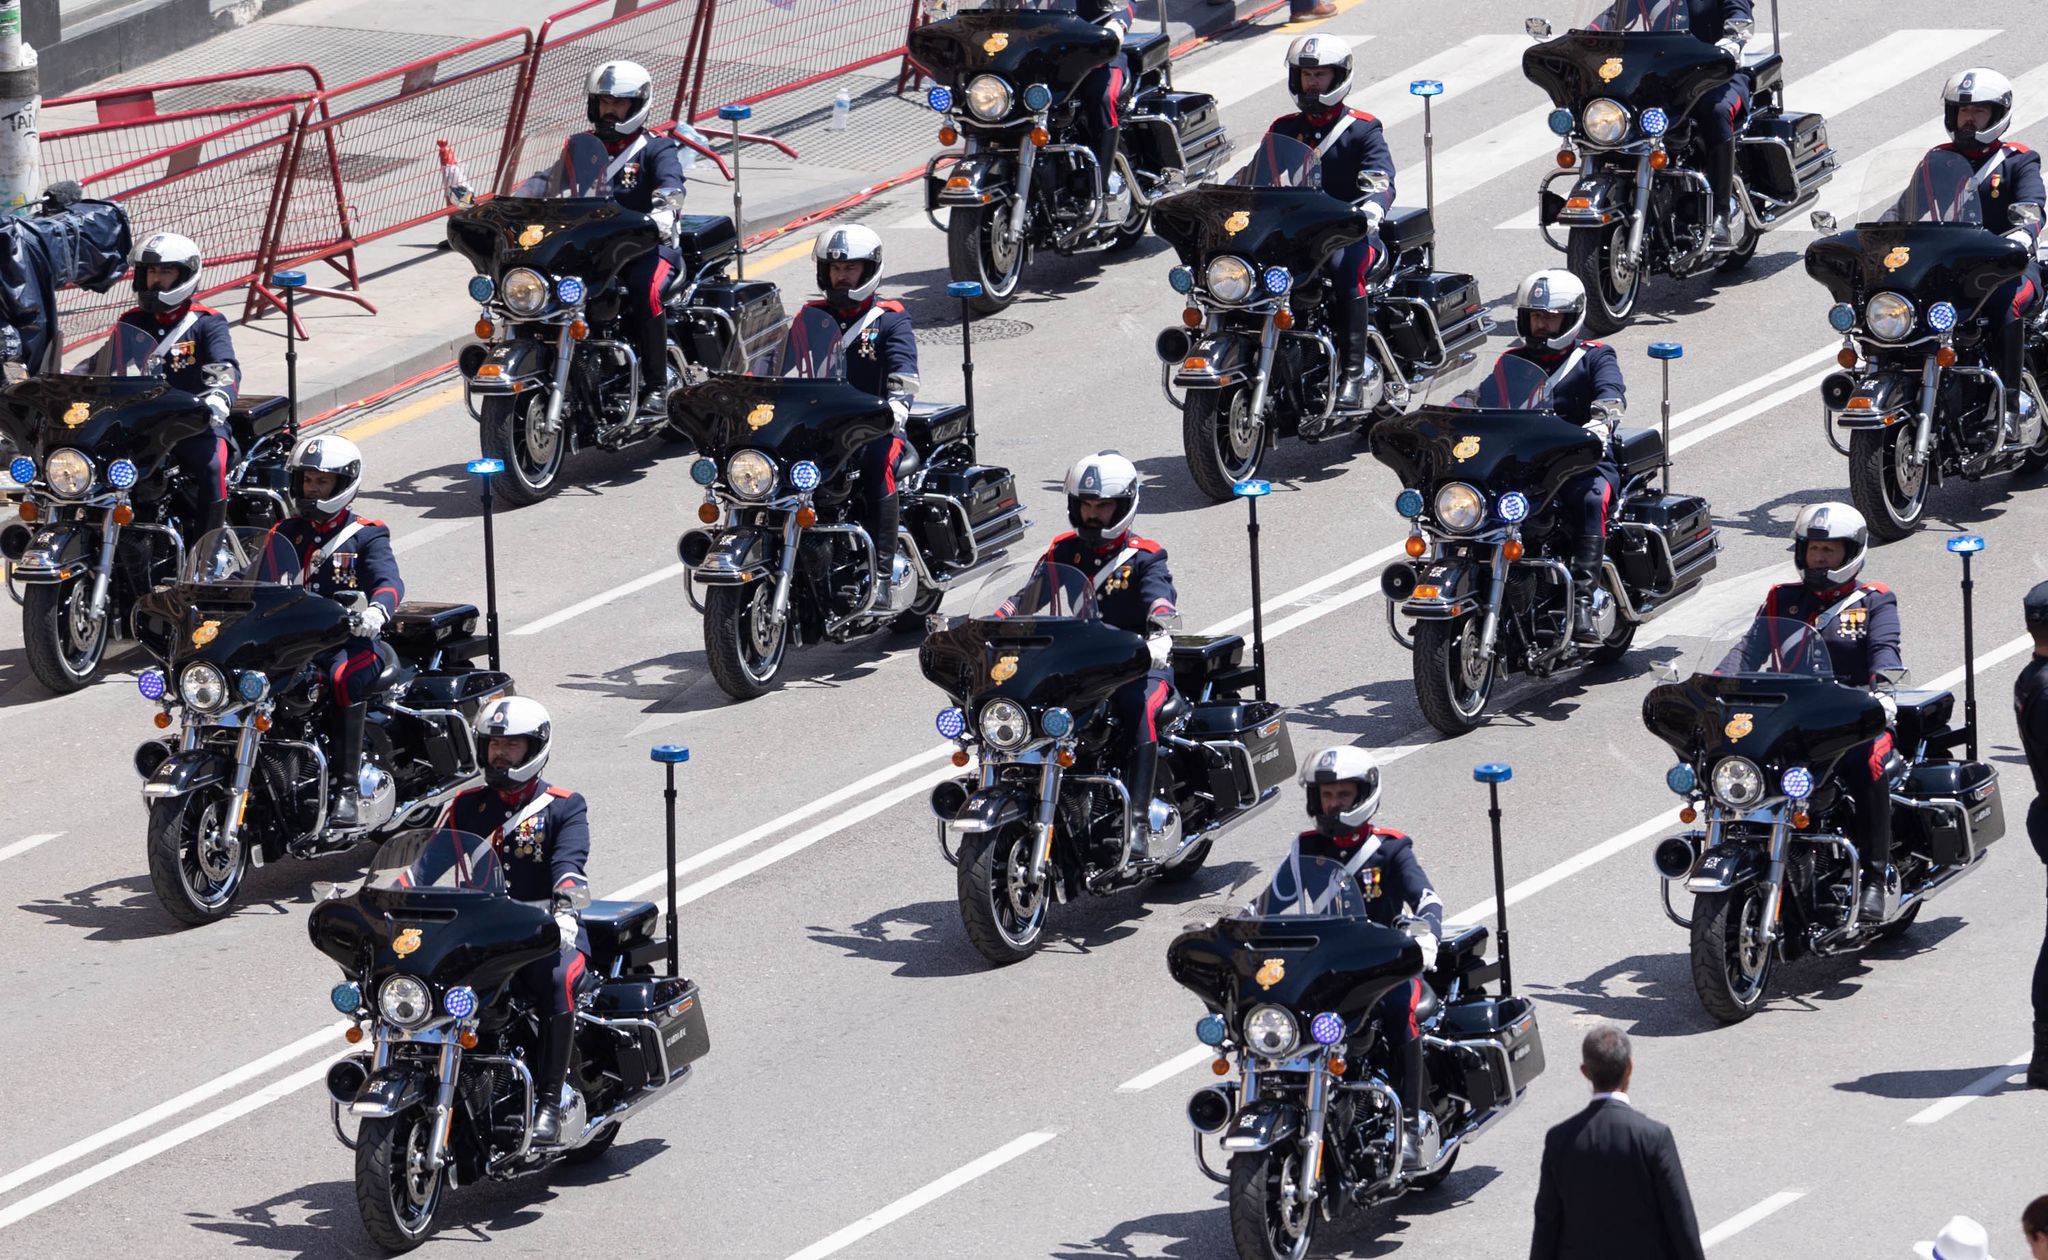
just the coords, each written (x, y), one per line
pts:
(1884, 485)
(1452, 681)
(395, 1191)
(1268, 1218)
(1731, 954)
(514, 430)
(197, 873)
(1003, 910)
(978, 247)
(1224, 444)
(744, 642)
(1598, 256)
(66, 644)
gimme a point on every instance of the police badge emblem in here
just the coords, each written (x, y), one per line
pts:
(760, 416)
(1739, 725)
(1610, 70)
(532, 236)
(1898, 258)
(204, 633)
(1466, 448)
(408, 941)
(995, 43)
(76, 414)
(1271, 972)
(1237, 222)
(1004, 669)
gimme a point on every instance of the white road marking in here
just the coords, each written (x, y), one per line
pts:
(1749, 1216)
(1826, 354)
(1769, 402)
(1985, 1084)
(23, 846)
(600, 599)
(918, 1198)
(1166, 1071)
(428, 533)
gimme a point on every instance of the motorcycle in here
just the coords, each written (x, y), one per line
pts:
(1919, 394)
(1312, 1124)
(1761, 724)
(1625, 80)
(783, 558)
(1257, 355)
(1030, 670)
(244, 782)
(1488, 586)
(1006, 76)
(428, 946)
(553, 370)
(104, 511)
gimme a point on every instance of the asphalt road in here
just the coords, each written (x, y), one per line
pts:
(874, 1090)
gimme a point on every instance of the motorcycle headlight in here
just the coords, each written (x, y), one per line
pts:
(988, 98)
(750, 474)
(202, 686)
(1605, 121)
(1738, 783)
(1005, 725)
(524, 291)
(68, 473)
(1889, 316)
(1056, 722)
(1460, 508)
(1271, 1031)
(405, 1001)
(1229, 279)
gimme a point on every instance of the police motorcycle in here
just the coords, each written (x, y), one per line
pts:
(1488, 585)
(1311, 1120)
(428, 944)
(102, 504)
(1919, 395)
(553, 371)
(783, 559)
(1046, 816)
(1760, 724)
(1624, 80)
(1006, 76)
(244, 780)
(1255, 355)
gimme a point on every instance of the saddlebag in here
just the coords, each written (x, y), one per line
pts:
(982, 496)
(1949, 810)
(1433, 316)
(671, 1031)
(720, 307)
(1786, 157)
(1254, 754)
(706, 238)
(1491, 1051)
(419, 629)
(1666, 543)
(1184, 129)
(1208, 667)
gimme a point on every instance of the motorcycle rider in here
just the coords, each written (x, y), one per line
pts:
(1726, 24)
(198, 356)
(1349, 143)
(1101, 94)
(1343, 788)
(878, 349)
(1859, 623)
(542, 835)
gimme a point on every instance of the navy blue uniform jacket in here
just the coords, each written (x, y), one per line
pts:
(883, 360)
(205, 345)
(1139, 592)
(1391, 879)
(1362, 147)
(656, 167)
(1862, 640)
(1708, 19)
(2017, 181)
(543, 855)
(1597, 375)
(362, 564)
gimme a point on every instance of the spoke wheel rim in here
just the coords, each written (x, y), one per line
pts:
(1468, 671)
(538, 452)
(1906, 485)
(415, 1188)
(1288, 1224)
(1003, 255)
(1019, 904)
(210, 869)
(761, 641)
(1237, 443)
(1749, 955)
(80, 636)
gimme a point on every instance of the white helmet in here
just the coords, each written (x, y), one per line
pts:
(328, 453)
(1977, 86)
(1556, 291)
(1830, 522)
(852, 243)
(627, 79)
(166, 249)
(1346, 763)
(1314, 52)
(1106, 475)
(515, 716)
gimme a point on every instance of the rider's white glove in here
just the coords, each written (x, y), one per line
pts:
(368, 623)
(1374, 211)
(900, 410)
(567, 922)
(1891, 708)
(2023, 236)
(1731, 46)
(1161, 647)
(217, 404)
(1429, 944)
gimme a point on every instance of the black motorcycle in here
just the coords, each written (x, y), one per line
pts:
(1761, 724)
(1625, 80)
(104, 511)
(1025, 179)
(1031, 669)
(1920, 396)
(783, 558)
(1257, 354)
(553, 371)
(1312, 1123)
(1490, 586)
(245, 781)
(428, 946)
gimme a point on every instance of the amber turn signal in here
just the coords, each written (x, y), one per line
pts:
(262, 722)
(1659, 160)
(1579, 203)
(1847, 358)
(466, 1039)
(1946, 356)
(484, 329)
(1567, 158)
(29, 511)
(1415, 546)
(960, 756)
(707, 513)
(578, 330)
(1192, 317)
(1512, 549)
(1194, 363)
(1428, 592)
(1065, 758)
(124, 515)
(162, 720)
(1338, 1067)
(354, 1034)
(1688, 814)
(1283, 319)
(1800, 820)
(947, 135)
(1040, 137)
(1221, 1066)
(806, 517)
(958, 181)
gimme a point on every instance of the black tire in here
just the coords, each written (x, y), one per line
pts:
(2037, 459)
(195, 878)
(1743, 233)
(533, 470)
(1258, 1224)
(911, 620)
(1900, 926)
(1591, 254)
(1617, 644)
(1452, 698)
(1189, 866)
(398, 1206)
(1004, 917)
(1223, 446)
(746, 662)
(977, 249)
(62, 655)
(1732, 979)
(593, 1150)
(1894, 508)
(1423, 1185)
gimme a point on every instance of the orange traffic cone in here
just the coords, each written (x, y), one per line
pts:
(453, 181)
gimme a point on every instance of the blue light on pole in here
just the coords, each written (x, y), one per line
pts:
(1965, 544)
(1426, 87)
(1252, 489)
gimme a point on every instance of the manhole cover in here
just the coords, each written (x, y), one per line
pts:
(948, 334)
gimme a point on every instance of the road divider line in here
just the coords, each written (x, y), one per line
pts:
(1826, 354)
(23, 846)
(602, 598)
(920, 1197)
(1166, 1071)
(429, 532)
(1983, 1085)
(1749, 1216)
(1742, 415)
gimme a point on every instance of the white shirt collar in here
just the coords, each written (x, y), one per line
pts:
(1616, 1095)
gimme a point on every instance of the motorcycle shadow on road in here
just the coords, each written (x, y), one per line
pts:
(1291, 467)
(127, 909)
(680, 683)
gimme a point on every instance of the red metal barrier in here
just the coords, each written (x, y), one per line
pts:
(135, 122)
(754, 49)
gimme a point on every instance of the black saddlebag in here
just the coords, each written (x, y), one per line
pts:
(1474, 1068)
(1956, 810)
(984, 495)
(670, 1032)
(1786, 156)
(705, 328)
(1667, 543)
(1209, 667)
(1255, 754)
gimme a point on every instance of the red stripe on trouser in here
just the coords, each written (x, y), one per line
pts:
(221, 462)
(654, 287)
(1879, 750)
(1365, 268)
(1116, 89)
(1154, 698)
(889, 465)
(570, 974)
(355, 661)
(2024, 296)
(1414, 1001)
(1606, 498)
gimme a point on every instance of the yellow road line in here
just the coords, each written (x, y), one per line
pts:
(1297, 24)
(406, 414)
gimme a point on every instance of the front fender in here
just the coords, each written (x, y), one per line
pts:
(1726, 867)
(988, 810)
(183, 773)
(390, 1091)
(55, 551)
(508, 367)
(1599, 198)
(730, 557)
(1225, 358)
(989, 178)
(1262, 1126)
(1871, 401)
(1445, 589)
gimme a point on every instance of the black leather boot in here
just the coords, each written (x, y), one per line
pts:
(1354, 350)
(2037, 1071)
(1585, 582)
(347, 736)
(556, 1031)
(1143, 775)
(1720, 184)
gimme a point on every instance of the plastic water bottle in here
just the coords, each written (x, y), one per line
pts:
(842, 105)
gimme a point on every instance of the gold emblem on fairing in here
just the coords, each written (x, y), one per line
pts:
(1466, 448)
(761, 415)
(532, 236)
(1898, 258)
(1004, 669)
(407, 942)
(1271, 972)
(1739, 725)
(1237, 222)
(78, 413)
(995, 43)
(206, 633)
(1610, 70)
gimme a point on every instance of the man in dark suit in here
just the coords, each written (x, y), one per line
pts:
(1611, 1186)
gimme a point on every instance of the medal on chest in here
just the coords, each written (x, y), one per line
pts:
(1371, 884)
(1121, 582)
(182, 354)
(342, 568)
(867, 343)
(630, 176)
(526, 839)
(1995, 177)
(1855, 623)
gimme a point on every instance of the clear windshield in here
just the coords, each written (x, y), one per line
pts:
(1935, 187)
(579, 172)
(1034, 588)
(1280, 162)
(128, 351)
(1756, 645)
(439, 858)
(1303, 886)
(240, 556)
(1509, 383)
(1023, 6)
(812, 347)
(1661, 16)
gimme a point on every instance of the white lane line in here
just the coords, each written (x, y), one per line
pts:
(1769, 402)
(427, 533)
(600, 599)
(1826, 354)
(1749, 1216)
(1985, 1084)
(23, 846)
(1248, 70)
(918, 1198)
(1166, 1071)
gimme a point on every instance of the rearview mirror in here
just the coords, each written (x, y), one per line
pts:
(1373, 183)
(1896, 677)
(1667, 671)
(2024, 214)
(1538, 28)
(1824, 223)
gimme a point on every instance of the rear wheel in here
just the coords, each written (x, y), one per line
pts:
(1884, 485)
(978, 248)
(1741, 233)
(395, 1190)
(1223, 444)
(197, 874)
(513, 431)
(66, 646)
(1731, 959)
(593, 1150)
(1452, 682)
(1617, 644)
(745, 645)
(1268, 1219)
(1900, 926)
(1004, 912)
(1598, 256)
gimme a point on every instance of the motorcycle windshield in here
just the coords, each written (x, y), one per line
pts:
(240, 603)
(1272, 213)
(1018, 45)
(1936, 187)
(1511, 384)
(1920, 234)
(1641, 16)
(241, 556)
(1640, 67)
(1280, 162)
(1034, 589)
(580, 170)
(442, 859)
(1480, 437)
(812, 347)
(1766, 688)
(1304, 886)
(1033, 634)
(573, 227)
(127, 352)
(113, 404)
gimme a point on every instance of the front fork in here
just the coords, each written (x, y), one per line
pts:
(103, 574)
(785, 574)
(1774, 878)
(247, 744)
(1312, 1135)
(1269, 339)
(1638, 225)
(1489, 630)
(565, 358)
(1930, 378)
(1042, 818)
(1020, 213)
(444, 1102)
